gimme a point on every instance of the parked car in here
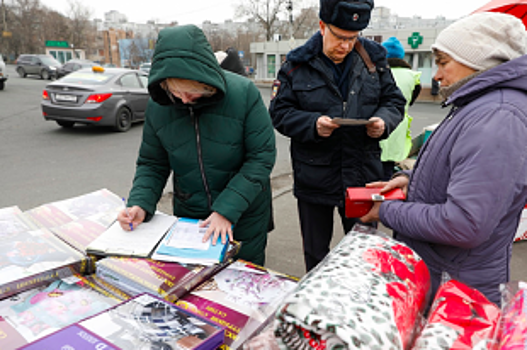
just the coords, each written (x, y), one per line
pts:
(3, 73)
(72, 66)
(44, 66)
(145, 67)
(114, 97)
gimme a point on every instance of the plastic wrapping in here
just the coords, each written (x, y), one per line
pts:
(35, 313)
(460, 318)
(141, 323)
(55, 214)
(242, 298)
(369, 292)
(265, 340)
(512, 330)
(31, 258)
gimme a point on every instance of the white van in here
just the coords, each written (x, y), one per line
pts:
(3, 73)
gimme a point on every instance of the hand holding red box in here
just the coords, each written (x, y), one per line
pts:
(359, 200)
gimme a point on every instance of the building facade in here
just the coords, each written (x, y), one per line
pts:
(415, 33)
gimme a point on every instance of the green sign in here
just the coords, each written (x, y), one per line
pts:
(415, 40)
(57, 43)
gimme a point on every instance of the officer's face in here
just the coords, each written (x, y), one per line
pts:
(337, 43)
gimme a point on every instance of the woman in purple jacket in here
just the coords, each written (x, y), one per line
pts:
(469, 185)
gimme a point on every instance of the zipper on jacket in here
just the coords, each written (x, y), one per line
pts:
(200, 158)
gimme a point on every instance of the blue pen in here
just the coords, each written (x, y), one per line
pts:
(128, 213)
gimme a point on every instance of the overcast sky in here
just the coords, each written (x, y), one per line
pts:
(197, 11)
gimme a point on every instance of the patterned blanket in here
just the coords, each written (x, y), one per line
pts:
(369, 292)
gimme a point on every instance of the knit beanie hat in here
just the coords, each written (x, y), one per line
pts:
(394, 48)
(483, 40)
(346, 14)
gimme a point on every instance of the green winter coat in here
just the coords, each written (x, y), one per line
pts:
(221, 150)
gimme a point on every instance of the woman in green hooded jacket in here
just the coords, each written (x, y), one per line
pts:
(211, 129)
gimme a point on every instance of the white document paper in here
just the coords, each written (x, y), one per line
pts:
(188, 235)
(139, 242)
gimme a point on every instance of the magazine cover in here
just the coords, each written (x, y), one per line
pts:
(31, 258)
(62, 212)
(134, 276)
(38, 312)
(242, 298)
(147, 322)
(81, 232)
(12, 222)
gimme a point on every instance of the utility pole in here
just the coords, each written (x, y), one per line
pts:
(3, 17)
(290, 10)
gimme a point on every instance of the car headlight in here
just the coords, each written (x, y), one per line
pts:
(52, 68)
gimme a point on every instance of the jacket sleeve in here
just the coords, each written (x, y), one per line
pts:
(152, 169)
(391, 102)
(485, 178)
(260, 154)
(286, 113)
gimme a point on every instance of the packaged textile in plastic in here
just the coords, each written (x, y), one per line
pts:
(265, 340)
(460, 318)
(369, 292)
(512, 330)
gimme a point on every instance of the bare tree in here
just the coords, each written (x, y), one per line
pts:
(265, 12)
(81, 32)
(25, 27)
(54, 26)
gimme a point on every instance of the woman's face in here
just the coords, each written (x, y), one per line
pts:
(188, 91)
(450, 71)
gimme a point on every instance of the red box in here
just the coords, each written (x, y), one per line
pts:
(359, 200)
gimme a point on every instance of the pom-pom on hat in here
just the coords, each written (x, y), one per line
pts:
(346, 14)
(483, 40)
(394, 47)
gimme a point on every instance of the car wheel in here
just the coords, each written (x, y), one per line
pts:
(21, 72)
(1, 85)
(123, 120)
(44, 74)
(65, 124)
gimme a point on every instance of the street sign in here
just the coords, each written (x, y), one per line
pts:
(7, 34)
(57, 43)
(240, 53)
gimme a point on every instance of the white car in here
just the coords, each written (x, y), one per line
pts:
(3, 73)
(145, 67)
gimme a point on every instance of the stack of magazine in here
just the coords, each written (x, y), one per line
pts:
(144, 322)
(52, 278)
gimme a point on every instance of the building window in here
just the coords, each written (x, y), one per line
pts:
(271, 66)
(424, 64)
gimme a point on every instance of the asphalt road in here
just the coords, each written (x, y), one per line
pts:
(41, 162)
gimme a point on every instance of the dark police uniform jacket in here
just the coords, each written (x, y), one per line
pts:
(305, 90)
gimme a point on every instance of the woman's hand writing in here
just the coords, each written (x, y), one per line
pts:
(136, 217)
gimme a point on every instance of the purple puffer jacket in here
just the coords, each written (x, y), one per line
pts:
(469, 184)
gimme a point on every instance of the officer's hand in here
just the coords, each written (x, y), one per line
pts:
(325, 126)
(375, 129)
